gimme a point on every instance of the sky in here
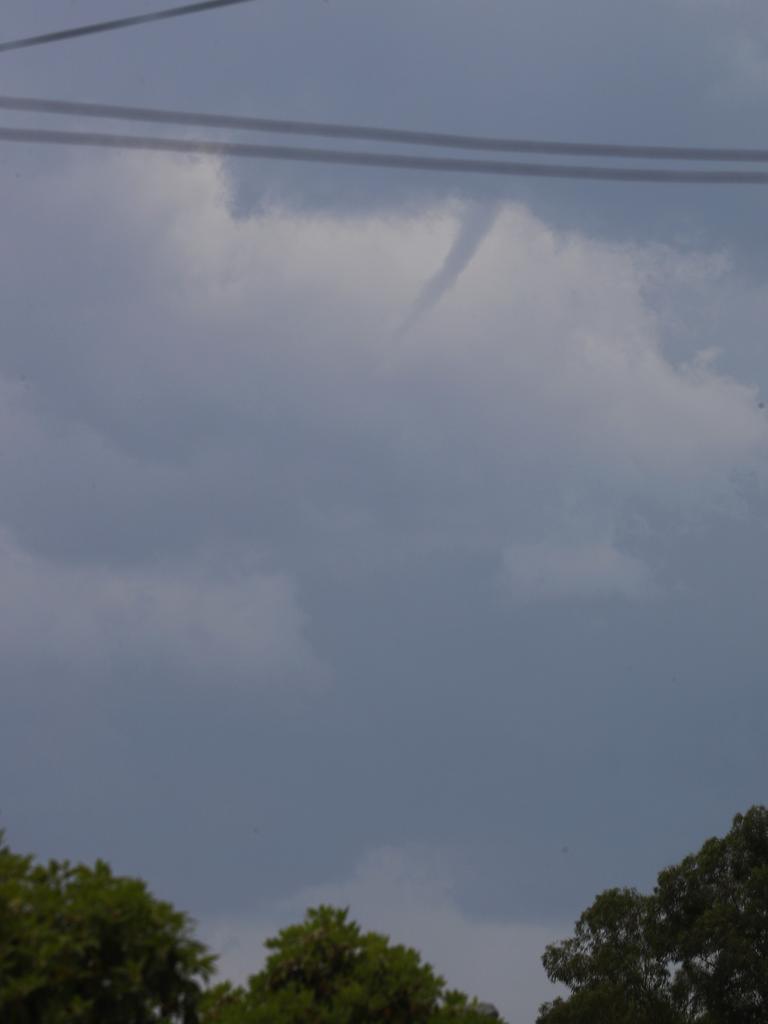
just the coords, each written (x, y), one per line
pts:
(379, 538)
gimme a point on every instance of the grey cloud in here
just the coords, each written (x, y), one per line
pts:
(541, 331)
(249, 375)
(187, 623)
(540, 571)
(237, 388)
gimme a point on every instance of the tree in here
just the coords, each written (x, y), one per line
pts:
(327, 971)
(614, 966)
(714, 912)
(79, 945)
(694, 951)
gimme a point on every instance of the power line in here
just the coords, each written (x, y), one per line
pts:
(372, 134)
(117, 23)
(402, 161)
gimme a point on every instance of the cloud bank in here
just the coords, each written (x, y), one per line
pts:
(194, 378)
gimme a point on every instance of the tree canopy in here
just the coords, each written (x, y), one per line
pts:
(694, 951)
(327, 971)
(79, 945)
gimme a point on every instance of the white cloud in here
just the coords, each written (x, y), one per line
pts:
(407, 895)
(259, 359)
(192, 622)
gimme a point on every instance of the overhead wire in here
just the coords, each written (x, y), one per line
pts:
(116, 23)
(357, 132)
(405, 161)
(373, 134)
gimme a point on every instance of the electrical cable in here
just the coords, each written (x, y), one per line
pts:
(117, 23)
(403, 161)
(372, 134)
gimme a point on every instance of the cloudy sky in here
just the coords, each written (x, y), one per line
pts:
(381, 538)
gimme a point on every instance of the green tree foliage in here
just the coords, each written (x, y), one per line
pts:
(714, 909)
(327, 971)
(81, 946)
(695, 951)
